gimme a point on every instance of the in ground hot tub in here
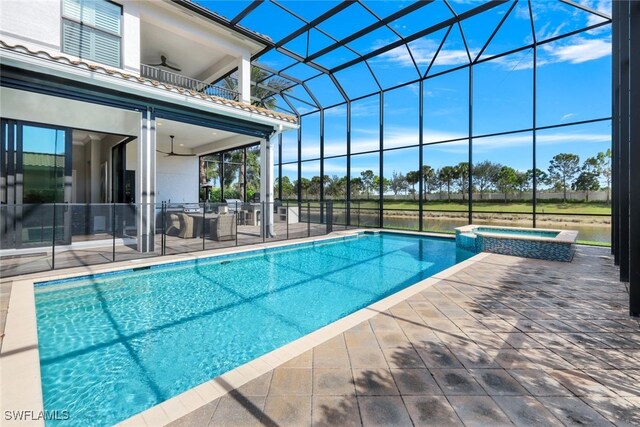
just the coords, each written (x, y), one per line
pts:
(553, 245)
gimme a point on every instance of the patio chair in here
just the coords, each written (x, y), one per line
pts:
(236, 206)
(181, 225)
(222, 227)
(172, 227)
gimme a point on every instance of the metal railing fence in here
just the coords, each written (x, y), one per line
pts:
(40, 237)
(175, 79)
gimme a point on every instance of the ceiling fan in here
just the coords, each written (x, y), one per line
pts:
(163, 63)
(172, 153)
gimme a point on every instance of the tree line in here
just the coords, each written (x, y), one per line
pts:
(565, 172)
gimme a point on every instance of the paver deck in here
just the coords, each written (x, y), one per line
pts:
(505, 341)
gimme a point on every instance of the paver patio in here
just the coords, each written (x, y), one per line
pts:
(504, 341)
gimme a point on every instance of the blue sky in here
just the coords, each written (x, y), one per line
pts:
(573, 82)
(43, 140)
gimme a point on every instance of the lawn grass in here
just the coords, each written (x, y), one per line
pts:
(593, 243)
(592, 208)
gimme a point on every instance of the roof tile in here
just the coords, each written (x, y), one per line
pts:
(126, 76)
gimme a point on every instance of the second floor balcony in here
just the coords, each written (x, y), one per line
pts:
(179, 80)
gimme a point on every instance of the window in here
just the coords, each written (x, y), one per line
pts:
(91, 29)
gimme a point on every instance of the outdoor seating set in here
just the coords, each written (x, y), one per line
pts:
(216, 226)
(219, 225)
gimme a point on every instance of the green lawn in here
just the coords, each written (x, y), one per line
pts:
(543, 207)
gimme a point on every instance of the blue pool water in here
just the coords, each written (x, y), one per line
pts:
(114, 345)
(515, 232)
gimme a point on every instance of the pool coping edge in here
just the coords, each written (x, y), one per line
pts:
(21, 389)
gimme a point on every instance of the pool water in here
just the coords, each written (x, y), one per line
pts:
(114, 345)
(515, 232)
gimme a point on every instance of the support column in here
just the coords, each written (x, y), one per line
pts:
(146, 182)
(244, 79)
(634, 159)
(94, 182)
(266, 184)
(470, 206)
(615, 130)
(421, 156)
(68, 186)
(623, 138)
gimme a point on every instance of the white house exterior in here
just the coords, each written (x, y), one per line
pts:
(76, 82)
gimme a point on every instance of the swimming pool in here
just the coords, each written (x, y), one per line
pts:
(116, 344)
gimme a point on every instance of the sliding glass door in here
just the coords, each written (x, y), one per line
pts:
(36, 174)
(43, 164)
(231, 174)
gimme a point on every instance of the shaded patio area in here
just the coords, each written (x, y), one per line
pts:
(93, 250)
(504, 341)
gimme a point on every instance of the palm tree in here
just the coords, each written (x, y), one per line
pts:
(428, 173)
(262, 95)
(446, 175)
(462, 177)
(412, 179)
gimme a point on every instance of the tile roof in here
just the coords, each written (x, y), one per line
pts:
(149, 82)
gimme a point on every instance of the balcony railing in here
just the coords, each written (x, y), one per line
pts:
(174, 79)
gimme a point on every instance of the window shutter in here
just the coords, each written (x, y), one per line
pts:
(107, 17)
(72, 9)
(107, 49)
(96, 33)
(76, 40)
(97, 13)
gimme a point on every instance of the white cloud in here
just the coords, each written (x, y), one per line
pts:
(452, 57)
(581, 50)
(302, 109)
(516, 62)
(566, 137)
(397, 137)
(489, 144)
(362, 108)
(522, 13)
(290, 168)
(544, 33)
(361, 145)
(335, 169)
(567, 116)
(398, 56)
(368, 107)
(340, 111)
(423, 51)
(431, 135)
(368, 141)
(602, 6)
(574, 50)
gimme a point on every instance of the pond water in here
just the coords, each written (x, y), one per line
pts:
(589, 228)
(596, 233)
